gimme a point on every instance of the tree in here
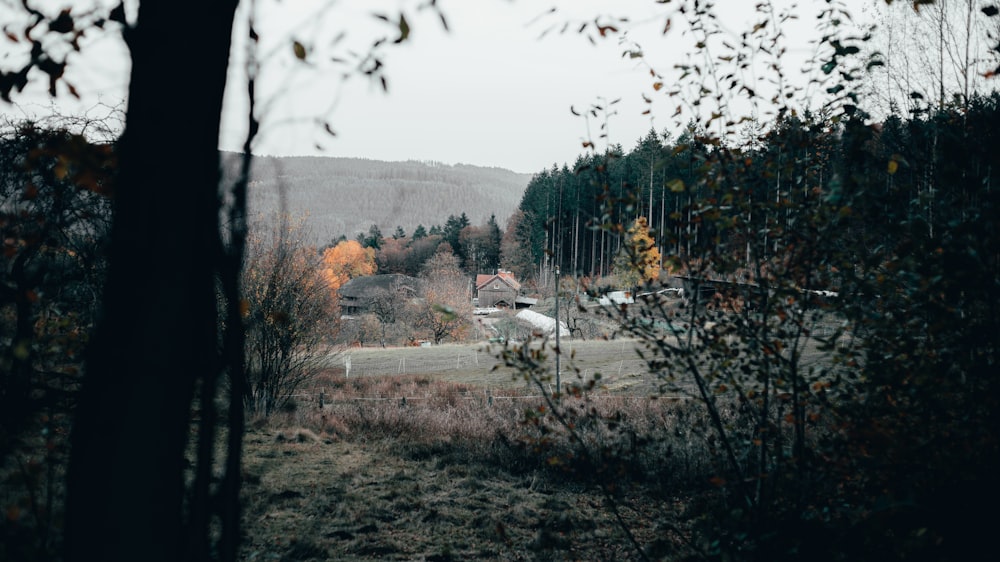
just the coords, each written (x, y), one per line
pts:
(419, 232)
(938, 55)
(289, 316)
(515, 251)
(494, 237)
(831, 306)
(157, 340)
(55, 215)
(345, 261)
(639, 260)
(421, 250)
(446, 308)
(386, 306)
(482, 247)
(393, 256)
(452, 233)
(373, 239)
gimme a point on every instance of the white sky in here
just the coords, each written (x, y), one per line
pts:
(488, 92)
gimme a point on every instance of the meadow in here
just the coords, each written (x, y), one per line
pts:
(463, 461)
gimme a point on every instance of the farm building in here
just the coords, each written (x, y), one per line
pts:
(356, 295)
(541, 323)
(498, 290)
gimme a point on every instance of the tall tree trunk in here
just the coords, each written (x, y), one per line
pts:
(157, 335)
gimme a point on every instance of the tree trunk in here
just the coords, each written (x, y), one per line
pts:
(157, 335)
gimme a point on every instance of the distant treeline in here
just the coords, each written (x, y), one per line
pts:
(915, 171)
(477, 248)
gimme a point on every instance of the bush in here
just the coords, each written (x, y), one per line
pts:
(289, 316)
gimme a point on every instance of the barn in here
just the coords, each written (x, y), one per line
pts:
(498, 290)
(356, 295)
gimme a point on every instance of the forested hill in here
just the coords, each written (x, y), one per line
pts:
(348, 195)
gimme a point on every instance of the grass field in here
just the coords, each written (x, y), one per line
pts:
(480, 364)
(447, 474)
(444, 453)
(437, 454)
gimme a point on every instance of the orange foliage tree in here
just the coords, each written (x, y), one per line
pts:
(639, 261)
(345, 261)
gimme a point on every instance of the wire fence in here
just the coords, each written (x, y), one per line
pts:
(375, 366)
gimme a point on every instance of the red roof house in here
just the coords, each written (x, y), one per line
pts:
(498, 290)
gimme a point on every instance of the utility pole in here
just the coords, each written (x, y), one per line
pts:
(558, 351)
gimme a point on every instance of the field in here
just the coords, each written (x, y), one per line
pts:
(481, 365)
(446, 453)
(426, 454)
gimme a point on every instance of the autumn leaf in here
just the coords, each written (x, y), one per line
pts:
(299, 49)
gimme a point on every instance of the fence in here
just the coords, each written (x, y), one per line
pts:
(355, 366)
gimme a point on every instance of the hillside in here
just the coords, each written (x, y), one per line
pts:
(348, 195)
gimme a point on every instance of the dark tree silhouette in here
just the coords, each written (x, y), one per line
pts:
(157, 340)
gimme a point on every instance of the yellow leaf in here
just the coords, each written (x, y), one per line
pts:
(893, 166)
(657, 86)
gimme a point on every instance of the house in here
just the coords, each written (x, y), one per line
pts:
(357, 294)
(498, 290)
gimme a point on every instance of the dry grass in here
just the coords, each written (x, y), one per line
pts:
(455, 473)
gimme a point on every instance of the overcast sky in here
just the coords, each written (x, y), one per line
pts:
(488, 91)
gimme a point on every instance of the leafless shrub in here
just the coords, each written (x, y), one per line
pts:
(288, 314)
